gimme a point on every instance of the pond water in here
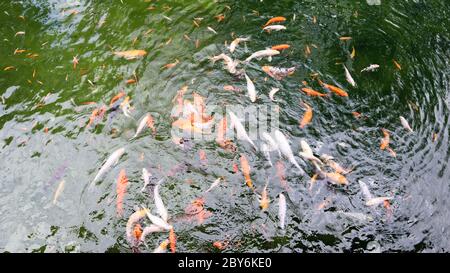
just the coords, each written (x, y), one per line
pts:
(47, 100)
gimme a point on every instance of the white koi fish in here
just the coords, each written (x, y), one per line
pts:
(235, 43)
(377, 200)
(146, 176)
(141, 126)
(285, 149)
(365, 190)
(230, 63)
(308, 153)
(162, 211)
(274, 27)
(157, 221)
(148, 230)
(113, 159)
(262, 53)
(212, 30)
(250, 88)
(265, 149)
(349, 77)
(272, 93)
(406, 124)
(272, 143)
(282, 210)
(370, 68)
(214, 184)
(58, 191)
(240, 130)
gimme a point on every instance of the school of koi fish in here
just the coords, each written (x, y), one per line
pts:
(195, 120)
(191, 117)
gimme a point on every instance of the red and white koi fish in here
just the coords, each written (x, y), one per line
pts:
(371, 201)
(134, 218)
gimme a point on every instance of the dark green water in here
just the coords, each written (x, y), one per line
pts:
(33, 162)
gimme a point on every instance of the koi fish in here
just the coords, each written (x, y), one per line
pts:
(162, 247)
(212, 30)
(336, 178)
(365, 190)
(236, 42)
(336, 166)
(146, 177)
(122, 182)
(142, 124)
(262, 54)
(278, 73)
(157, 221)
(240, 130)
(264, 201)
(19, 33)
(219, 17)
(277, 19)
(130, 54)
(162, 211)
(75, 61)
(338, 91)
(151, 124)
(353, 54)
(221, 131)
(125, 105)
(345, 38)
(385, 141)
(307, 117)
(406, 124)
(349, 77)
(172, 240)
(285, 149)
(377, 201)
(313, 93)
(230, 63)
(282, 210)
(370, 68)
(112, 160)
(274, 28)
(230, 88)
(307, 152)
(137, 232)
(134, 218)
(245, 167)
(214, 184)
(397, 65)
(273, 92)
(170, 65)
(250, 88)
(18, 51)
(116, 98)
(272, 143)
(58, 191)
(280, 47)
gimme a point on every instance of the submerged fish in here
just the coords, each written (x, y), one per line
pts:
(370, 68)
(264, 200)
(121, 188)
(236, 42)
(274, 27)
(157, 221)
(214, 184)
(278, 73)
(338, 91)
(130, 54)
(266, 150)
(240, 130)
(245, 167)
(230, 63)
(134, 218)
(262, 53)
(307, 152)
(112, 160)
(277, 19)
(250, 88)
(142, 124)
(162, 211)
(307, 117)
(285, 149)
(349, 77)
(282, 210)
(386, 139)
(406, 124)
(146, 176)
(272, 93)
(313, 93)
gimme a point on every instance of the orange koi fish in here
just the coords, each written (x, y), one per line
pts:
(18, 51)
(137, 232)
(313, 93)
(397, 65)
(385, 141)
(130, 54)
(345, 38)
(392, 152)
(230, 88)
(172, 240)
(130, 81)
(275, 20)
(338, 91)
(245, 167)
(337, 178)
(116, 98)
(220, 245)
(220, 17)
(121, 188)
(170, 65)
(281, 47)
(307, 117)
(356, 114)
(96, 113)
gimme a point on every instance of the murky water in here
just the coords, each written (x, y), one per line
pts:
(44, 138)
